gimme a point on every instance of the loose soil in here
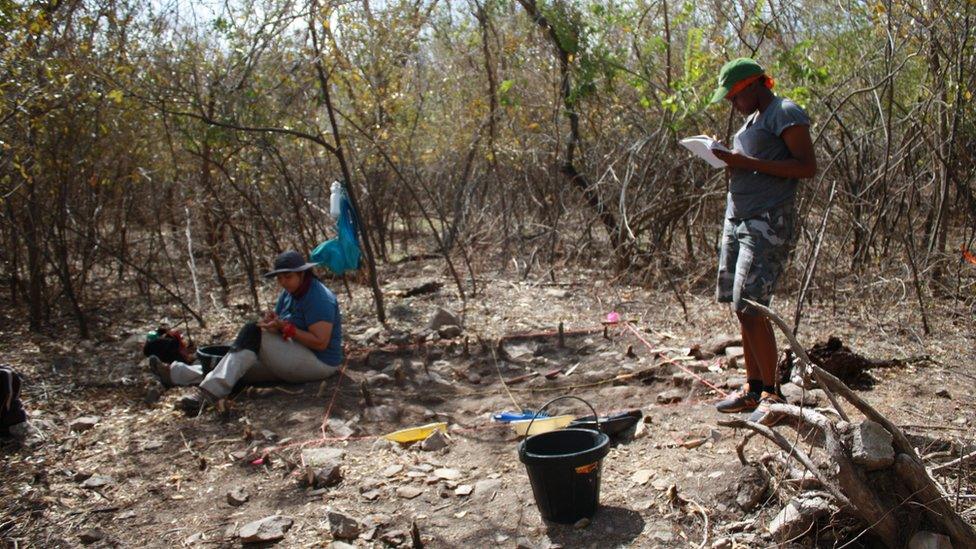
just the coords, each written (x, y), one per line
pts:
(673, 484)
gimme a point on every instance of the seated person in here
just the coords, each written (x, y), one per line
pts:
(300, 341)
(13, 417)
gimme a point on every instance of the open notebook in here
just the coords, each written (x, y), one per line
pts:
(702, 146)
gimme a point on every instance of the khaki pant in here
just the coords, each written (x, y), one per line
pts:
(277, 360)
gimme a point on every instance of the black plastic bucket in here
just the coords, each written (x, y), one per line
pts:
(210, 355)
(564, 470)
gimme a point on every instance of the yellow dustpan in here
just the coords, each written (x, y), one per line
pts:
(413, 434)
(541, 425)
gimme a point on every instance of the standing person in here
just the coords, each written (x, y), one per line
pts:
(770, 153)
(300, 341)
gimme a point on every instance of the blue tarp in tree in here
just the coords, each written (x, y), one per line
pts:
(341, 254)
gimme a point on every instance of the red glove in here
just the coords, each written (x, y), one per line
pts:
(288, 331)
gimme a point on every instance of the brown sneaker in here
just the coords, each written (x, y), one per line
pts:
(762, 414)
(196, 401)
(161, 370)
(742, 401)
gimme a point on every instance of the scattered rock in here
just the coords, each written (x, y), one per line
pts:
(89, 536)
(872, 446)
(474, 378)
(396, 538)
(642, 476)
(671, 396)
(237, 497)
(463, 490)
(524, 543)
(436, 441)
(381, 444)
(343, 526)
(929, 540)
(558, 293)
(392, 470)
(408, 492)
(442, 318)
(734, 352)
(722, 543)
(384, 413)
(266, 530)
(751, 488)
(798, 516)
(340, 428)
(341, 545)
(320, 457)
(582, 523)
(96, 481)
(84, 423)
(943, 393)
(329, 474)
(796, 395)
(449, 331)
(447, 474)
(485, 489)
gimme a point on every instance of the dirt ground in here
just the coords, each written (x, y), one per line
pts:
(673, 484)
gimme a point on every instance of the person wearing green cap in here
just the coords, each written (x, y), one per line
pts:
(771, 152)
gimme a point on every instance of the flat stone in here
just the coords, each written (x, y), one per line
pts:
(343, 526)
(237, 497)
(319, 457)
(84, 423)
(266, 530)
(796, 395)
(871, 446)
(97, 481)
(671, 396)
(484, 489)
(558, 293)
(392, 470)
(409, 492)
(734, 352)
(442, 317)
(929, 540)
(436, 441)
(463, 490)
(642, 476)
(447, 474)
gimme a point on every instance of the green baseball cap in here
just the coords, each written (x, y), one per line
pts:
(732, 72)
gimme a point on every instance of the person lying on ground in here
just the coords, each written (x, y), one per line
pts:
(771, 152)
(298, 342)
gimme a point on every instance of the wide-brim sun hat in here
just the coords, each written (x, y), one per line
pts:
(289, 262)
(733, 72)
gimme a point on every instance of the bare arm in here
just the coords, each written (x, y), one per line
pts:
(802, 166)
(317, 337)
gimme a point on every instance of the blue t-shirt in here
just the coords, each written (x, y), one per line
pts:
(317, 305)
(753, 193)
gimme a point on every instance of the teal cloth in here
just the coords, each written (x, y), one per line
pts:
(341, 254)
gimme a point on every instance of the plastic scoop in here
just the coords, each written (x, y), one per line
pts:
(413, 434)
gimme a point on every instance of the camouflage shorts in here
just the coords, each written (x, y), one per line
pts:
(752, 256)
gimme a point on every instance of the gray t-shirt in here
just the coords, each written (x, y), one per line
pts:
(752, 193)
